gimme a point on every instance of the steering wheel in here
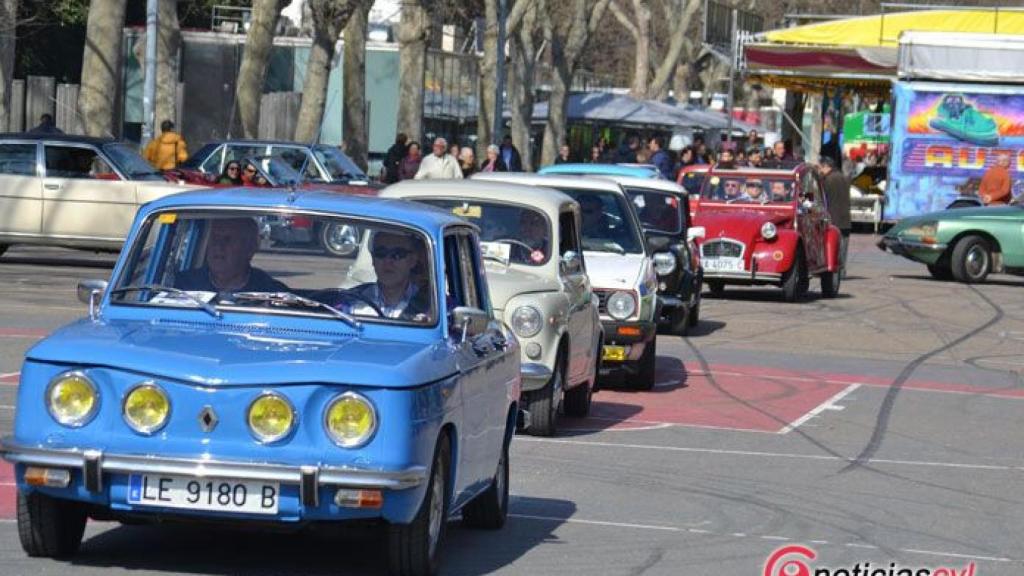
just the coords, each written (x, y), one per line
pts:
(519, 243)
(322, 295)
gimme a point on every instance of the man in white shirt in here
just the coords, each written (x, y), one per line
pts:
(439, 165)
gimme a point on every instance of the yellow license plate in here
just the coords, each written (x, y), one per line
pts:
(614, 354)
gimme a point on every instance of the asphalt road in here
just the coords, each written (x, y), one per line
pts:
(883, 426)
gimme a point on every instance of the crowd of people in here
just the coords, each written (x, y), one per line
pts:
(405, 160)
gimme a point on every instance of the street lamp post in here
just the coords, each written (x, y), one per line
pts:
(149, 88)
(499, 69)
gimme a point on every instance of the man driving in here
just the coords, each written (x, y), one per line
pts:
(533, 231)
(732, 190)
(231, 245)
(780, 191)
(395, 258)
(595, 224)
(753, 191)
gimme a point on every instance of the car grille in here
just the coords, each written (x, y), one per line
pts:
(602, 301)
(721, 249)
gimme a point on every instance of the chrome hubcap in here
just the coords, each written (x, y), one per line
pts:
(436, 508)
(342, 239)
(976, 261)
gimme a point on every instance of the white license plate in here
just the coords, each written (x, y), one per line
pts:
(722, 264)
(213, 494)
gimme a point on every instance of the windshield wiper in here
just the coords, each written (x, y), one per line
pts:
(604, 246)
(291, 298)
(206, 306)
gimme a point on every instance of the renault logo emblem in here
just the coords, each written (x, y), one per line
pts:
(207, 419)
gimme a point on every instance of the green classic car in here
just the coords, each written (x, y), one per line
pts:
(964, 244)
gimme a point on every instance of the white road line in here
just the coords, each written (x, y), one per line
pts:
(864, 546)
(822, 542)
(819, 457)
(660, 426)
(962, 556)
(826, 405)
(9, 374)
(597, 523)
(776, 538)
(671, 424)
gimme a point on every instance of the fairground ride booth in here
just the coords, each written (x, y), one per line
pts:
(860, 56)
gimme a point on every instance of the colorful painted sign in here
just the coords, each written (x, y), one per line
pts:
(946, 137)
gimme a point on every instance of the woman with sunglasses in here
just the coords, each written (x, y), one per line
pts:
(232, 175)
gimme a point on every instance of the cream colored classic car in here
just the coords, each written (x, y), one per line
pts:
(72, 190)
(531, 245)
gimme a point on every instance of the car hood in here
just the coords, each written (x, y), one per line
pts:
(216, 354)
(508, 282)
(983, 213)
(738, 222)
(611, 271)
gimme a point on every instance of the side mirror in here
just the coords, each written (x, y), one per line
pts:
(657, 243)
(570, 262)
(695, 233)
(86, 289)
(471, 321)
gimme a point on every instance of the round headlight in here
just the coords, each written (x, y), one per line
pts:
(621, 305)
(350, 420)
(768, 230)
(146, 408)
(527, 321)
(664, 263)
(271, 417)
(72, 399)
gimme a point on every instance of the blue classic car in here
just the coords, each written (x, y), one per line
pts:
(217, 379)
(598, 169)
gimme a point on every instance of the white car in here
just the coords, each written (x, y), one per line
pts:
(619, 267)
(73, 191)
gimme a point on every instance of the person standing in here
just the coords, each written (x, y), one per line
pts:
(660, 158)
(493, 163)
(394, 157)
(46, 126)
(563, 155)
(439, 164)
(510, 155)
(467, 162)
(837, 194)
(995, 183)
(410, 165)
(168, 149)
(626, 153)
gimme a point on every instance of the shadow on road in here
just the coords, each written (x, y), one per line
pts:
(988, 281)
(200, 549)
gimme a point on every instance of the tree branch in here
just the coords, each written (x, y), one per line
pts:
(623, 19)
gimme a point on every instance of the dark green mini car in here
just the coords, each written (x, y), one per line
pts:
(963, 244)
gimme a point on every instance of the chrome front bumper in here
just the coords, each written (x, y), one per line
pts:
(535, 376)
(746, 276)
(94, 463)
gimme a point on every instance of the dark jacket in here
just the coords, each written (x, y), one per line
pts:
(837, 193)
(392, 160)
(515, 162)
(408, 167)
(625, 155)
(199, 279)
(663, 161)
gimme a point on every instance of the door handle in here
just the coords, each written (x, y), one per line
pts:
(51, 186)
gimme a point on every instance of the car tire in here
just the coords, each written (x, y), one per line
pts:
(679, 321)
(489, 510)
(940, 271)
(414, 549)
(3, 248)
(717, 288)
(542, 405)
(339, 239)
(578, 399)
(972, 260)
(693, 318)
(49, 527)
(830, 282)
(645, 372)
(794, 279)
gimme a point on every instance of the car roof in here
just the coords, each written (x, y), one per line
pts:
(635, 170)
(244, 142)
(554, 181)
(58, 138)
(762, 172)
(419, 215)
(648, 183)
(546, 199)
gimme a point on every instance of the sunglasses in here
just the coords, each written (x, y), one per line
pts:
(396, 253)
(232, 168)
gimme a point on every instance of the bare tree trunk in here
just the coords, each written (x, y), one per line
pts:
(678, 43)
(101, 67)
(8, 29)
(524, 53)
(329, 18)
(354, 117)
(167, 48)
(253, 71)
(413, 33)
(557, 126)
(488, 80)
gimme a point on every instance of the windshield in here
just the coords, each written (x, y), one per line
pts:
(279, 171)
(508, 232)
(607, 225)
(659, 211)
(198, 158)
(269, 262)
(130, 163)
(339, 166)
(742, 189)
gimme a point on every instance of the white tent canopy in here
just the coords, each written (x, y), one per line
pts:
(608, 108)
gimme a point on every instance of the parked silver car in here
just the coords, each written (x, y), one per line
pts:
(530, 241)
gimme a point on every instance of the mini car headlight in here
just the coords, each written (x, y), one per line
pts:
(350, 420)
(769, 231)
(271, 417)
(72, 399)
(621, 305)
(664, 263)
(146, 408)
(926, 229)
(527, 321)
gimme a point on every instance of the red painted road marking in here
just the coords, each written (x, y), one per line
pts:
(23, 332)
(8, 493)
(9, 378)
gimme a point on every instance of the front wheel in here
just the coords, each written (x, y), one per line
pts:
(971, 260)
(645, 376)
(830, 284)
(489, 510)
(940, 272)
(717, 288)
(795, 279)
(542, 405)
(49, 527)
(415, 549)
(694, 316)
(678, 321)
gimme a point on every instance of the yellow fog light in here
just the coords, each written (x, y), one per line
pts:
(350, 420)
(271, 417)
(146, 408)
(72, 399)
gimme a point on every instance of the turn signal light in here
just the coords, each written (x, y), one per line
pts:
(359, 498)
(628, 330)
(49, 477)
